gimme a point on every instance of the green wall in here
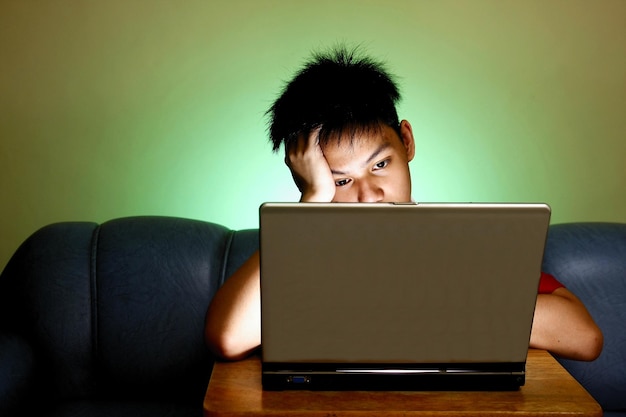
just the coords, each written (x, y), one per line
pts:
(119, 108)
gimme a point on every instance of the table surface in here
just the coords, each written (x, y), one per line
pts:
(235, 390)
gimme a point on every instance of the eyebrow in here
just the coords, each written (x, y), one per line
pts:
(374, 154)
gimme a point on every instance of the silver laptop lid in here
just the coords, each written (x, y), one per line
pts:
(390, 283)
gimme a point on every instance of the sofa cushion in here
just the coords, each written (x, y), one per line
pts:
(114, 314)
(46, 299)
(590, 259)
(153, 283)
(16, 371)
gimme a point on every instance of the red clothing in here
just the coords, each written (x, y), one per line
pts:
(547, 284)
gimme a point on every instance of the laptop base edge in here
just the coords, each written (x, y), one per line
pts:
(393, 381)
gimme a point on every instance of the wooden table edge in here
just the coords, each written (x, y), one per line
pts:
(251, 383)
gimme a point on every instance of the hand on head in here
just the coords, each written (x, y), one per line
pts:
(310, 169)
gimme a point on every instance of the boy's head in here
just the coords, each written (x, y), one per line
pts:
(338, 123)
(341, 92)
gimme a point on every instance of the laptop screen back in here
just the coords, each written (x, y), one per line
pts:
(387, 283)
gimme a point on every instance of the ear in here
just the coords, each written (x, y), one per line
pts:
(406, 134)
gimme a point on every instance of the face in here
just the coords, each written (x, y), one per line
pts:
(373, 167)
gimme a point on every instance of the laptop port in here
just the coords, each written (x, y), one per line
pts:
(298, 379)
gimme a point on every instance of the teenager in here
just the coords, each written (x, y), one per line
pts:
(344, 142)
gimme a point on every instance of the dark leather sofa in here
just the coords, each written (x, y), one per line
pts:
(107, 320)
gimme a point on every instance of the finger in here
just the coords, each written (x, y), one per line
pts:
(314, 137)
(291, 150)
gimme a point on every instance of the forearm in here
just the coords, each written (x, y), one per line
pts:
(563, 326)
(233, 326)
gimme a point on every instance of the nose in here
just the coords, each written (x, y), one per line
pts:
(369, 193)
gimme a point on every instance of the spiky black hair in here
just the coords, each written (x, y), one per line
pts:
(338, 91)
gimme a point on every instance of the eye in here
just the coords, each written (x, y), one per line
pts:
(382, 164)
(342, 182)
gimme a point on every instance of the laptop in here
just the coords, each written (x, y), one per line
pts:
(389, 296)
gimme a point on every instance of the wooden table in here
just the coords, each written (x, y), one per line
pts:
(235, 390)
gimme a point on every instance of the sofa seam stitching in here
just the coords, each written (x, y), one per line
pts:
(227, 249)
(93, 278)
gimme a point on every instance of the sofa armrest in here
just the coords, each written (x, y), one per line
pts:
(16, 373)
